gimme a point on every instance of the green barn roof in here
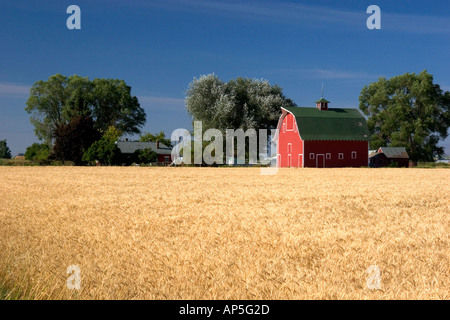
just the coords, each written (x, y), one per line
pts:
(331, 124)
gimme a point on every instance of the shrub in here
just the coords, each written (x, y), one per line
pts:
(104, 150)
(37, 151)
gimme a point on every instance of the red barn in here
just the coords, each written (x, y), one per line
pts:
(322, 137)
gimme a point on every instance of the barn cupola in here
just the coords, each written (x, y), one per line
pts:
(322, 104)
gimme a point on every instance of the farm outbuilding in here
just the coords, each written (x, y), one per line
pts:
(322, 137)
(389, 156)
(128, 148)
(19, 156)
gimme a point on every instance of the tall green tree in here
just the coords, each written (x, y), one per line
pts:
(113, 105)
(80, 97)
(410, 111)
(5, 152)
(47, 105)
(108, 102)
(241, 103)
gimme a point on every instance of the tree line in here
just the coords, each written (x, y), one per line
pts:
(80, 120)
(408, 110)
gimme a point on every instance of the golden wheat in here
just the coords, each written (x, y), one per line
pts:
(224, 233)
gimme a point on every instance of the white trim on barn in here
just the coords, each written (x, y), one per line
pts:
(300, 163)
(296, 124)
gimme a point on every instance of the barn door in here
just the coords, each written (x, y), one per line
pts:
(300, 161)
(289, 160)
(320, 161)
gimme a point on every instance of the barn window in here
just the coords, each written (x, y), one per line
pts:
(353, 154)
(311, 156)
(166, 158)
(341, 156)
(289, 149)
(328, 156)
(289, 123)
(284, 127)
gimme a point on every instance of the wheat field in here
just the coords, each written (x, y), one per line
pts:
(224, 233)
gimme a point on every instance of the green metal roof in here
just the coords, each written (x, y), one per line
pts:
(394, 152)
(331, 124)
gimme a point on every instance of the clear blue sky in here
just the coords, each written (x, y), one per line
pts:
(158, 47)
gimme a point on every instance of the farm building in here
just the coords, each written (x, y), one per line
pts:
(128, 148)
(322, 137)
(447, 161)
(19, 156)
(386, 156)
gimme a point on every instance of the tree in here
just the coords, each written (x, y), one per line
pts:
(147, 155)
(161, 137)
(104, 150)
(241, 103)
(79, 101)
(46, 104)
(108, 102)
(408, 111)
(5, 152)
(72, 139)
(113, 105)
(37, 152)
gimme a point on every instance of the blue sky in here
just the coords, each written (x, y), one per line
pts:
(158, 47)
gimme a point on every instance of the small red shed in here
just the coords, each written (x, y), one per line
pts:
(389, 156)
(322, 137)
